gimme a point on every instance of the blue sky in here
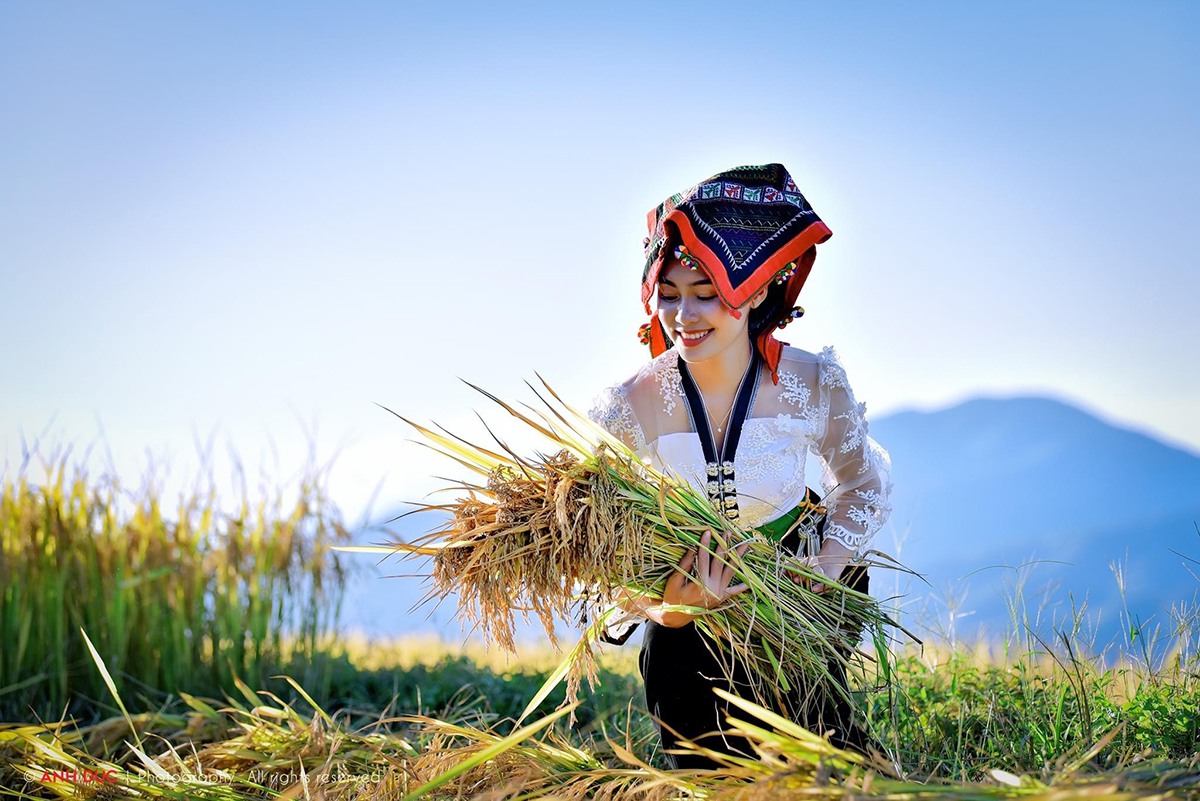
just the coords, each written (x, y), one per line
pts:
(239, 222)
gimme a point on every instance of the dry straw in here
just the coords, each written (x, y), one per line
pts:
(262, 746)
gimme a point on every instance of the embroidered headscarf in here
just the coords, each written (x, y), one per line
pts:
(746, 227)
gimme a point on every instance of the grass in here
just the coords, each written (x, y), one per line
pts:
(180, 600)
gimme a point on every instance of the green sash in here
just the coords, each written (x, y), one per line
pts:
(777, 528)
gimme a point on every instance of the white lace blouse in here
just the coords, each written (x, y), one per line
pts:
(811, 409)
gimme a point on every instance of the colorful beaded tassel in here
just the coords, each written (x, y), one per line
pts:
(787, 272)
(644, 333)
(685, 258)
(795, 314)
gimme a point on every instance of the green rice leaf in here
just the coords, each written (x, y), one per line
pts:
(316, 707)
(112, 687)
(783, 682)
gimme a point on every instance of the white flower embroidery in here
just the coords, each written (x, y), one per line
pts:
(760, 458)
(665, 369)
(858, 425)
(611, 409)
(843, 518)
(794, 389)
(833, 374)
(796, 392)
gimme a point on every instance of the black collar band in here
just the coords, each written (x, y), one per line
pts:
(722, 490)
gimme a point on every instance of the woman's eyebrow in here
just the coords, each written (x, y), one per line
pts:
(700, 282)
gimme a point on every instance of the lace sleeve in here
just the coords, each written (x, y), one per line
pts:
(856, 471)
(612, 411)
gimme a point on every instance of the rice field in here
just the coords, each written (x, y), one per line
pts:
(192, 654)
(186, 596)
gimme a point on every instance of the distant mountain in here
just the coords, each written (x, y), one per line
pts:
(1003, 481)
(989, 482)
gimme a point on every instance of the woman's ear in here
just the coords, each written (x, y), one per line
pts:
(758, 299)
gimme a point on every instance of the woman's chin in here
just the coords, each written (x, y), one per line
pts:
(697, 354)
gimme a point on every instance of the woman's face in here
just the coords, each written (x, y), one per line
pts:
(692, 314)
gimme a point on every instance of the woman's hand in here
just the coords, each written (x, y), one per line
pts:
(830, 562)
(708, 590)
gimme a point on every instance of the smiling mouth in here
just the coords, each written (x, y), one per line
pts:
(691, 338)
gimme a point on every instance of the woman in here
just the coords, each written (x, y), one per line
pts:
(732, 410)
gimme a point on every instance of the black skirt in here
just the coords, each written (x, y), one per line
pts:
(679, 672)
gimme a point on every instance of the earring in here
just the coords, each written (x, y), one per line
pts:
(644, 333)
(686, 258)
(795, 314)
(787, 272)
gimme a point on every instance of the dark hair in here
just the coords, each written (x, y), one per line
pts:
(769, 314)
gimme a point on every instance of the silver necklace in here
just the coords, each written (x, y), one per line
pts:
(725, 422)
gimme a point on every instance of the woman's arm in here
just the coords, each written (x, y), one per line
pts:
(856, 473)
(833, 558)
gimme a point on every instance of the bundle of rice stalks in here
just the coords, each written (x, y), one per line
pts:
(565, 533)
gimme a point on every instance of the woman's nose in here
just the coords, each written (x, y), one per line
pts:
(687, 311)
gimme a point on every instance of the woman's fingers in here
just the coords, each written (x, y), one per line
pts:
(819, 586)
(689, 558)
(737, 589)
(728, 572)
(678, 579)
(810, 563)
(705, 558)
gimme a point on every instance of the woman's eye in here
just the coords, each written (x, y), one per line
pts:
(672, 299)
